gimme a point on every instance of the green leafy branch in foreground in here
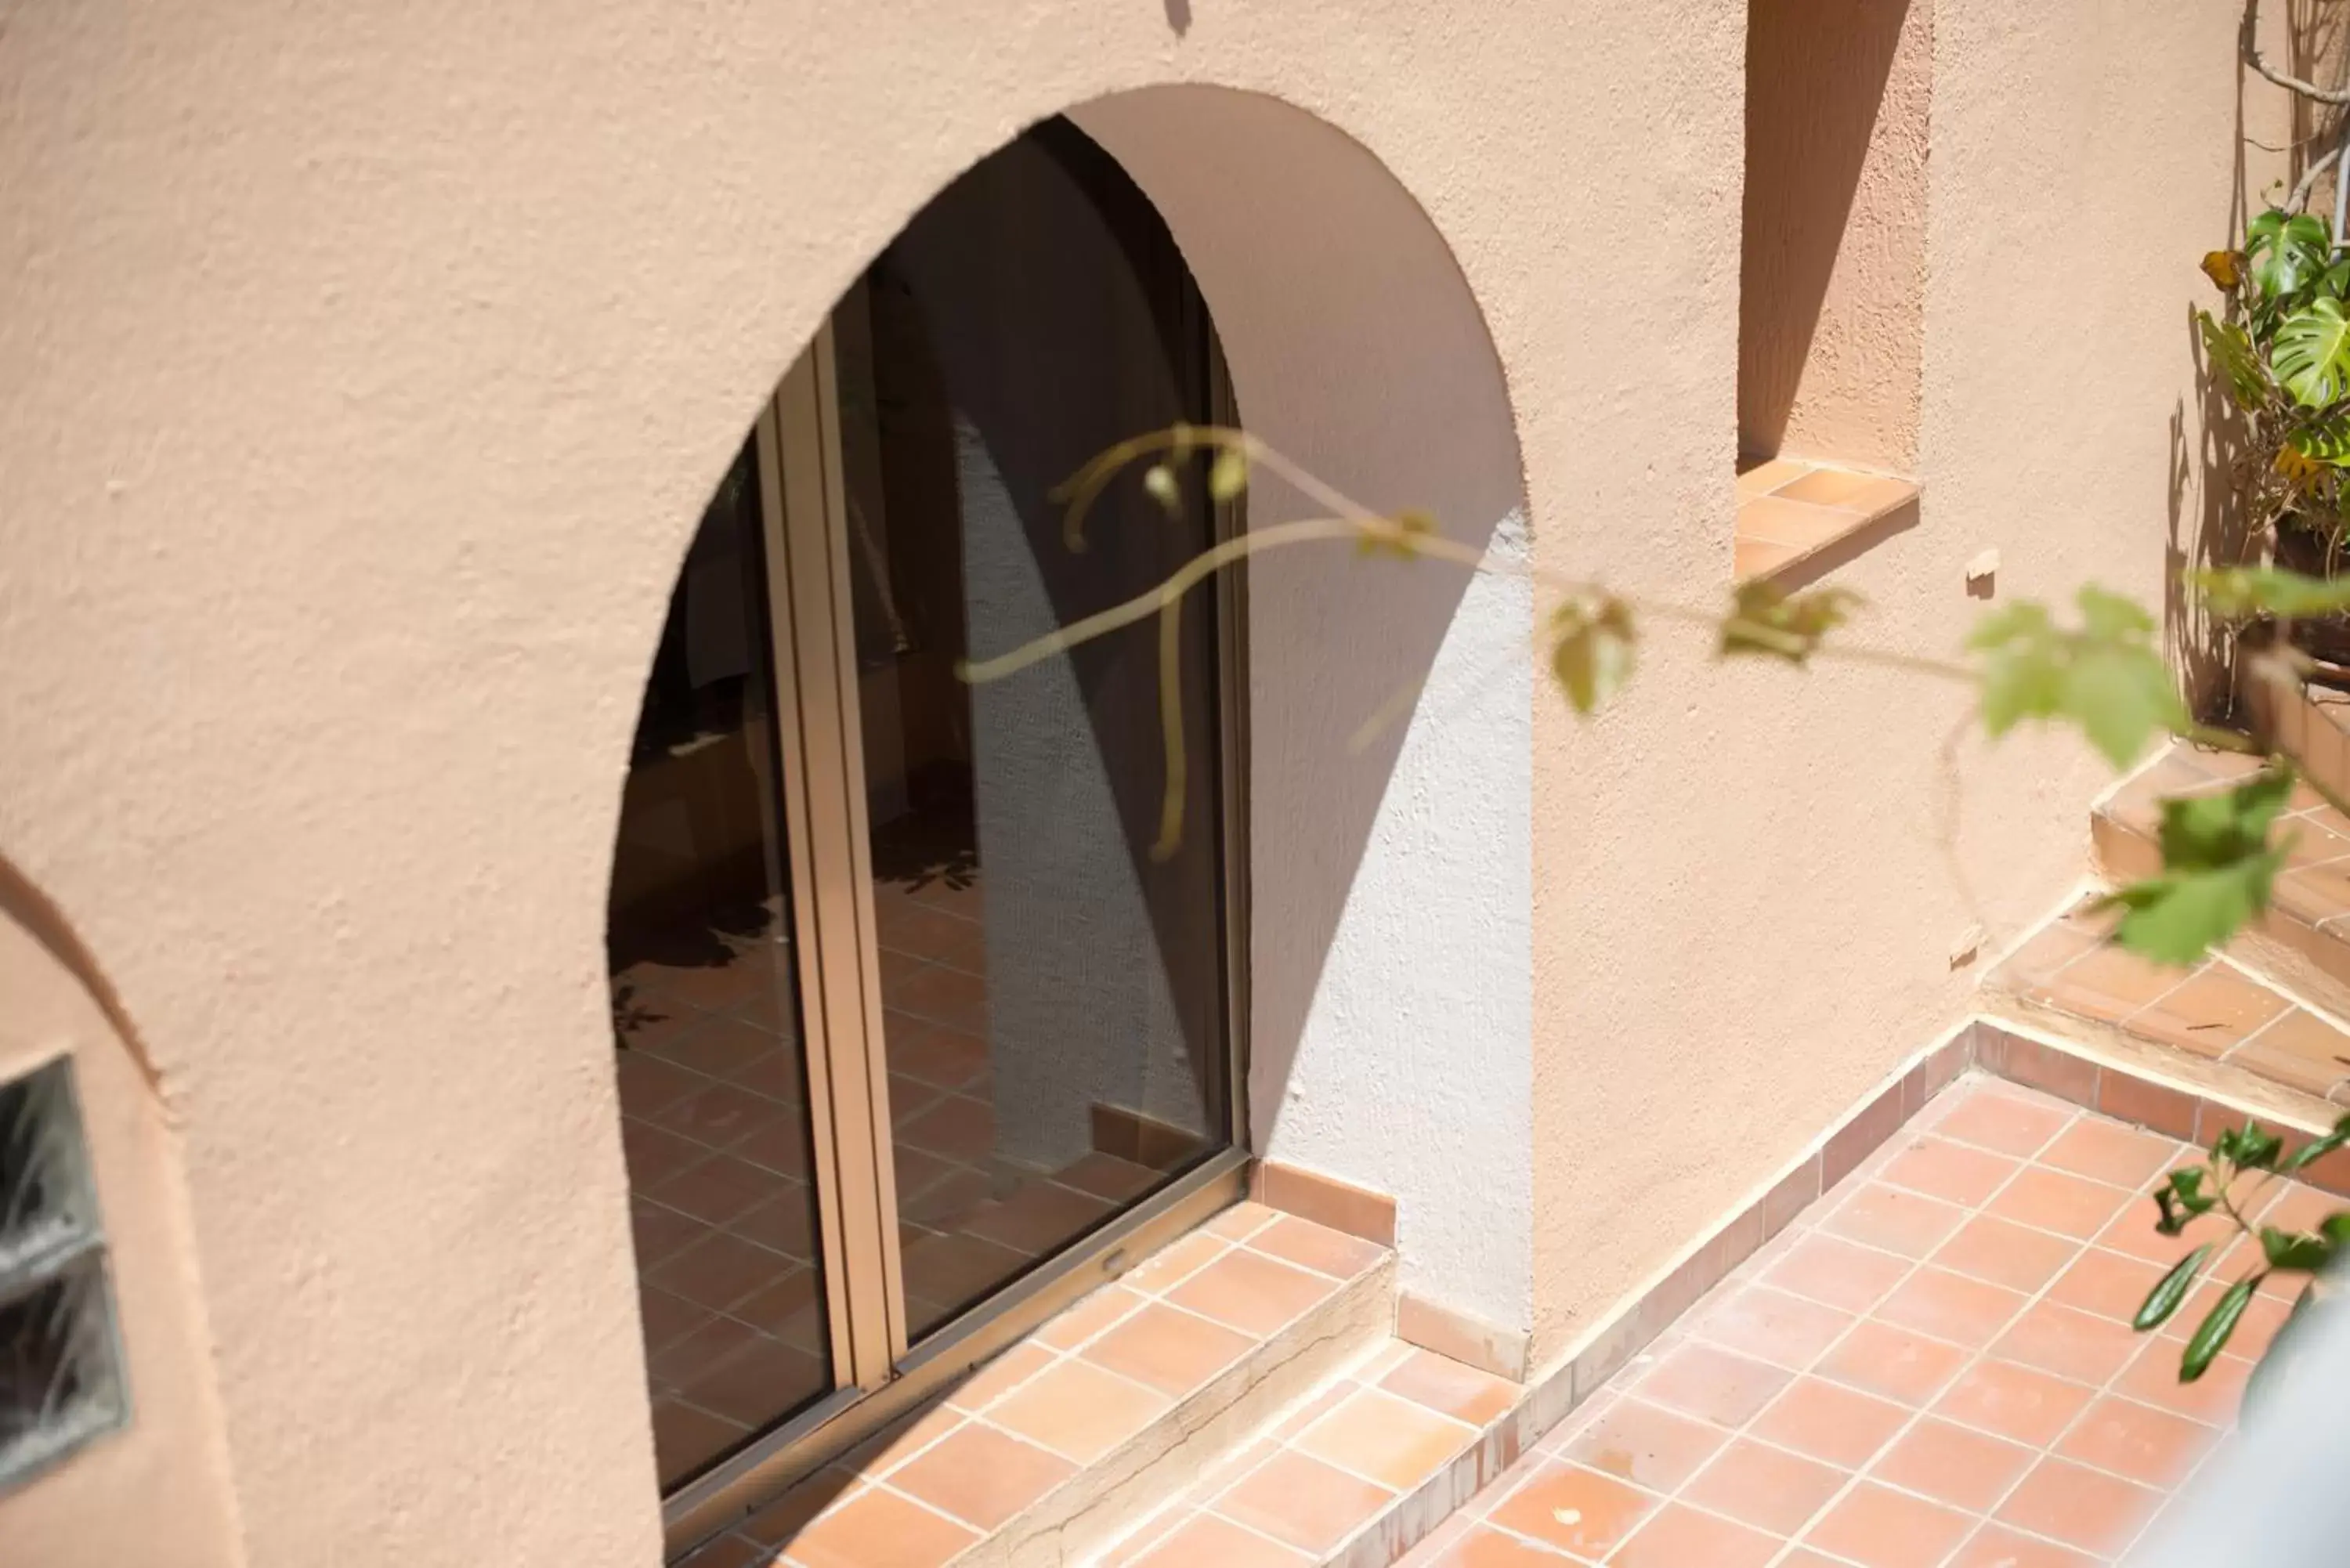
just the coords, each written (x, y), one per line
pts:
(2101, 671)
(2193, 1192)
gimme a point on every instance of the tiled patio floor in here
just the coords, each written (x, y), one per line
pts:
(1931, 1368)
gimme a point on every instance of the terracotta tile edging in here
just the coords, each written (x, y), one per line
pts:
(1603, 1351)
(1325, 1200)
(1792, 511)
(2007, 1048)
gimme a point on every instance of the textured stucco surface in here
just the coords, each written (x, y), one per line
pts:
(1831, 277)
(156, 1491)
(1740, 926)
(362, 373)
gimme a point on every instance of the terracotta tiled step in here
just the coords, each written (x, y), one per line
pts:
(1060, 1444)
(2220, 1028)
(1355, 1475)
(2304, 939)
(2313, 724)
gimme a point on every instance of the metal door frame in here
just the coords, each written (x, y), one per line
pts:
(880, 1378)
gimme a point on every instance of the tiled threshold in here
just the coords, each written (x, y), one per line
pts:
(1795, 514)
(1058, 1445)
(1315, 1437)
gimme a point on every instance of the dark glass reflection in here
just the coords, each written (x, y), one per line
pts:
(1054, 997)
(714, 1094)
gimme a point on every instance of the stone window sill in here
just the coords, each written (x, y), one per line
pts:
(1797, 518)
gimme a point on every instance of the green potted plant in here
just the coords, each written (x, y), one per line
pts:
(2280, 347)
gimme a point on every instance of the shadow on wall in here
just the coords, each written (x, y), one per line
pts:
(27, 907)
(2207, 523)
(1357, 347)
(2207, 527)
(1815, 76)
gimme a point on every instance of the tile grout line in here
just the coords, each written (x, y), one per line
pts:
(978, 1417)
(1871, 1170)
(1852, 1485)
(2107, 1389)
(1347, 1384)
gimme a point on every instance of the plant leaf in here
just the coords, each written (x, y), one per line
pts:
(2170, 1290)
(2208, 832)
(2211, 1336)
(1594, 652)
(2230, 351)
(2225, 268)
(2317, 1148)
(2217, 870)
(2170, 1221)
(2235, 593)
(1229, 476)
(2176, 917)
(2325, 440)
(2257, 1148)
(1767, 620)
(2295, 1251)
(2108, 677)
(2300, 469)
(2311, 352)
(2286, 251)
(2120, 697)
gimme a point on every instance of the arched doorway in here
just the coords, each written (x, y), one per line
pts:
(918, 1039)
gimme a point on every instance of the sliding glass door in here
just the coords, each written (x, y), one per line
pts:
(922, 1030)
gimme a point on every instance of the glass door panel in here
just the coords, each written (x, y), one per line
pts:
(706, 1021)
(909, 998)
(1053, 993)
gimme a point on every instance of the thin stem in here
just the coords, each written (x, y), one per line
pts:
(1171, 721)
(2248, 42)
(1186, 577)
(2310, 177)
(1353, 520)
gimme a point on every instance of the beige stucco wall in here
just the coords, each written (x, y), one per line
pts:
(1832, 269)
(363, 370)
(1738, 929)
(157, 1490)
